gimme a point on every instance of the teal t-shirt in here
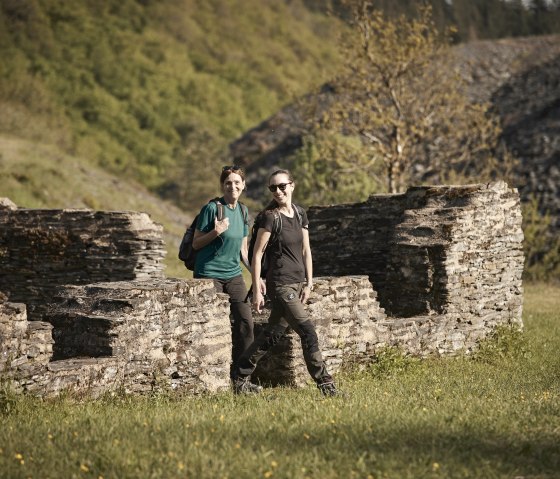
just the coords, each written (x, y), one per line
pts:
(220, 258)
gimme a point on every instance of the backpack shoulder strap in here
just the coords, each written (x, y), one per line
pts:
(299, 213)
(277, 223)
(244, 213)
(219, 208)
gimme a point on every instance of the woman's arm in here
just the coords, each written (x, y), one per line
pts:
(245, 253)
(308, 265)
(260, 244)
(200, 239)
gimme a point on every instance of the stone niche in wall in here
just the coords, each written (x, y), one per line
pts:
(430, 251)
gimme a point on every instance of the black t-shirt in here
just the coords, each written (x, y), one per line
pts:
(289, 267)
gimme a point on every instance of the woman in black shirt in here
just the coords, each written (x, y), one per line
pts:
(289, 284)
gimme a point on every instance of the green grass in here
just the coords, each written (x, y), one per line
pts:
(491, 417)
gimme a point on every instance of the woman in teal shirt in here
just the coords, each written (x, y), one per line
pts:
(220, 245)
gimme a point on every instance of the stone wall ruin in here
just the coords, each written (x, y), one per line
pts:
(432, 271)
(42, 249)
(429, 251)
(139, 336)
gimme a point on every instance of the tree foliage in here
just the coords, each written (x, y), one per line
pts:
(330, 169)
(400, 95)
(473, 19)
(153, 90)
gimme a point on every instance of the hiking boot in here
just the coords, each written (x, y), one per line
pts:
(327, 388)
(243, 385)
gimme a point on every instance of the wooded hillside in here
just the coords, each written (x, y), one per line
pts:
(150, 90)
(153, 92)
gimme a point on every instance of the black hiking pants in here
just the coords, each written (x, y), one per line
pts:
(287, 310)
(241, 318)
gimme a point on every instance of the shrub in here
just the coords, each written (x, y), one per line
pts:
(391, 361)
(505, 342)
(541, 245)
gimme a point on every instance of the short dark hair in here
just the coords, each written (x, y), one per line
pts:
(228, 170)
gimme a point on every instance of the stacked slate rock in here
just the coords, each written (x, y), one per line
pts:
(25, 347)
(458, 250)
(42, 249)
(345, 313)
(446, 261)
(354, 238)
(162, 333)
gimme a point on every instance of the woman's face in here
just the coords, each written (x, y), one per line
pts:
(232, 187)
(283, 188)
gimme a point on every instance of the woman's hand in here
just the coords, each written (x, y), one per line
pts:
(221, 226)
(258, 300)
(304, 294)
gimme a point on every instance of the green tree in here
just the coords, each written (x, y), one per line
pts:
(400, 95)
(332, 168)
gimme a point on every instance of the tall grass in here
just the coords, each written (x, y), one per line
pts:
(492, 416)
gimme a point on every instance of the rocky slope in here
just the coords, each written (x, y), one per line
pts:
(519, 77)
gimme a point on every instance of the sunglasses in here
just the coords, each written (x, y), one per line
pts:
(281, 187)
(231, 168)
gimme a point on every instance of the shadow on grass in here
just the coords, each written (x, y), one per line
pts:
(409, 448)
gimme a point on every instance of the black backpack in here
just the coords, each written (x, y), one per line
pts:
(187, 254)
(274, 245)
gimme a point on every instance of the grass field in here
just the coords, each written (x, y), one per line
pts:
(493, 416)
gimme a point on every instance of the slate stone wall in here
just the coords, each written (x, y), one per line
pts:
(22, 344)
(432, 271)
(346, 315)
(139, 336)
(431, 250)
(43, 249)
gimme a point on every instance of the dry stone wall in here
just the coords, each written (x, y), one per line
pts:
(139, 336)
(23, 344)
(172, 329)
(432, 271)
(43, 249)
(346, 315)
(455, 252)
